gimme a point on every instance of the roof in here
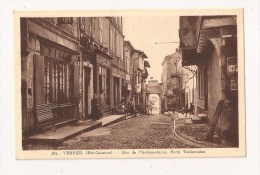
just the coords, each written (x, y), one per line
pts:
(141, 53)
(128, 43)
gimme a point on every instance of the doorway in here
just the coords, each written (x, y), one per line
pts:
(153, 104)
(87, 73)
(116, 92)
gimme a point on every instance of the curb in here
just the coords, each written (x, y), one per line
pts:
(57, 141)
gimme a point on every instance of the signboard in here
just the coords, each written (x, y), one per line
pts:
(118, 73)
(65, 20)
(103, 61)
(129, 86)
(232, 72)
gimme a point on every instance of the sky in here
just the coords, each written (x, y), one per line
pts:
(144, 32)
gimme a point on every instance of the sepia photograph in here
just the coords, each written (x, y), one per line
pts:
(130, 84)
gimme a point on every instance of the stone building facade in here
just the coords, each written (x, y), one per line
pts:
(170, 81)
(210, 43)
(50, 69)
(65, 61)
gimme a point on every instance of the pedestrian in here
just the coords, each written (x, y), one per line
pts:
(151, 107)
(123, 101)
(191, 110)
(101, 103)
(186, 109)
(95, 112)
(132, 107)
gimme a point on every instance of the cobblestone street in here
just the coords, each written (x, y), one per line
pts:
(143, 132)
(147, 131)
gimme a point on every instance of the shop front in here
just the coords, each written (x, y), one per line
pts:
(50, 72)
(119, 86)
(103, 80)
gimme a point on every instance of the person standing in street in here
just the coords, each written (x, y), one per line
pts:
(102, 103)
(95, 112)
(186, 109)
(132, 107)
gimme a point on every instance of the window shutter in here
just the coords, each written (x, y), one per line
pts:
(117, 46)
(97, 36)
(39, 79)
(88, 26)
(76, 84)
(105, 33)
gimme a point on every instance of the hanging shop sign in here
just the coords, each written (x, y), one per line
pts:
(232, 72)
(129, 86)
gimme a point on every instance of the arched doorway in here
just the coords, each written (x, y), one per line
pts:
(153, 104)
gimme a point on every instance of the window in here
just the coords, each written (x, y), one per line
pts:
(82, 23)
(110, 40)
(126, 64)
(57, 82)
(100, 21)
(93, 27)
(122, 49)
(117, 46)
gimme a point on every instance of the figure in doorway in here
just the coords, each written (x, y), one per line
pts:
(95, 112)
(131, 107)
(186, 109)
(102, 103)
(151, 107)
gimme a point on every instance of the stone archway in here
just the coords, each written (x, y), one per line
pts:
(154, 87)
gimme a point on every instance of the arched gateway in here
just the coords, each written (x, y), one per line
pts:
(154, 87)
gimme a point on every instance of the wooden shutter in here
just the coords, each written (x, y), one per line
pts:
(117, 46)
(97, 36)
(88, 26)
(39, 79)
(76, 84)
(105, 33)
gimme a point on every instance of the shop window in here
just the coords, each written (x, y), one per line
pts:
(57, 82)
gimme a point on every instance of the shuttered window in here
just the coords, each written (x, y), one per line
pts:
(105, 33)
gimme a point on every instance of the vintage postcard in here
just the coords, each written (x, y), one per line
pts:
(129, 84)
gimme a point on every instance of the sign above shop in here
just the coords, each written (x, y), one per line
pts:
(118, 73)
(65, 20)
(75, 58)
(103, 61)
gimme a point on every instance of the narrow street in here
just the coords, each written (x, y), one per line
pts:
(142, 132)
